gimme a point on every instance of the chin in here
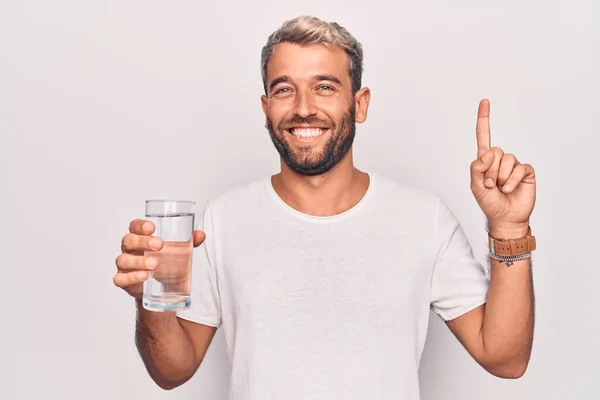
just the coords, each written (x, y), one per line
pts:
(309, 169)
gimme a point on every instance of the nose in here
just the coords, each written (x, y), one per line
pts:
(305, 104)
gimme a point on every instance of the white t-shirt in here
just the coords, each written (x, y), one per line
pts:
(336, 307)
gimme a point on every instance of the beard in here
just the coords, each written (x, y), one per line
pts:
(306, 160)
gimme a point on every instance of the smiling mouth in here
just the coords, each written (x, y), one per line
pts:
(308, 132)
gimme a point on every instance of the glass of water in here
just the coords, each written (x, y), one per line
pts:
(168, 286)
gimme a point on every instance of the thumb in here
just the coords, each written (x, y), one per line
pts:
(478, 169)
(199, 237)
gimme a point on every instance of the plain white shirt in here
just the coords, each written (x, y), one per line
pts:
(335, 307)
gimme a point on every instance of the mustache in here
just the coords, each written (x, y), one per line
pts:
(298, 120)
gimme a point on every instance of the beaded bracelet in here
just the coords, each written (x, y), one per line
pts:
(510, 260)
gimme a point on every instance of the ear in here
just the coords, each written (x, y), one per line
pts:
(362, 99)
(265, 102)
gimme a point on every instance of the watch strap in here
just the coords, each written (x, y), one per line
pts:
(512, 247)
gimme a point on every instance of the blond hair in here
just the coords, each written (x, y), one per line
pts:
(311, 30)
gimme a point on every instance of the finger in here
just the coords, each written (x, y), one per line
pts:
(141, 227)
(482, 128)
(126, 279)
(507, 165)
(199, 237)
(131, 262)
(491, 175)
(522, 173)
(478, 169)
(133, 243)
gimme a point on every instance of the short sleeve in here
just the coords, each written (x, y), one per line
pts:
(459, 282)
(206, 306)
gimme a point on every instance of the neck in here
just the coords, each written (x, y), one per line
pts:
(331, 193)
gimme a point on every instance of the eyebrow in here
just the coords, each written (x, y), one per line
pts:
(329, 78)
(277, 81)
(287, 78)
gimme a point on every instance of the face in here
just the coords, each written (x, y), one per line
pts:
(310, 110)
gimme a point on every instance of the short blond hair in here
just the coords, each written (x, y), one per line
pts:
(311, 30)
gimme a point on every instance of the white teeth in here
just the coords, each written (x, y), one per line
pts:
(306, 132)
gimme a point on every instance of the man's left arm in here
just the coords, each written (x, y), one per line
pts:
(499, 334)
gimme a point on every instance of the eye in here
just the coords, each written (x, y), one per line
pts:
(282, 91)
(326, 87)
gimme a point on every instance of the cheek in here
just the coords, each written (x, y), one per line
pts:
(278, 113)
(334, 109)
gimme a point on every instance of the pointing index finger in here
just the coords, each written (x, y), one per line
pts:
(482, 128)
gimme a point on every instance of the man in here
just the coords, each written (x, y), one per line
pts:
(322, 276)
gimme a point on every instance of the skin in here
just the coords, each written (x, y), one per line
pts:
(310, 86)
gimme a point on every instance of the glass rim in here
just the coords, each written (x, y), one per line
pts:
(170, 201)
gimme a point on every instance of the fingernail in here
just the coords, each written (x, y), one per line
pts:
(155, 243)
(147, 227)
(507, 188)
(489, 182)
(151, 262)
(141, 275)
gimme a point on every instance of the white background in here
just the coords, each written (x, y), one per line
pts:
(105, 104)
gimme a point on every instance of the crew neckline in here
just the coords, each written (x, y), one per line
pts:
(315, 218)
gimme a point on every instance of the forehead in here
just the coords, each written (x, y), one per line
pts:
(305, 61)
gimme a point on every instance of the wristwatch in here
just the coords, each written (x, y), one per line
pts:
(512, 247)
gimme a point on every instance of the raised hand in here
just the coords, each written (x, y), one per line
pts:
(504, 188)
(140, 254)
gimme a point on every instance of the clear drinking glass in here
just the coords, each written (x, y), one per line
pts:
(168, 287)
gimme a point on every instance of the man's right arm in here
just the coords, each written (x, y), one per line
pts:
(171, 348)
